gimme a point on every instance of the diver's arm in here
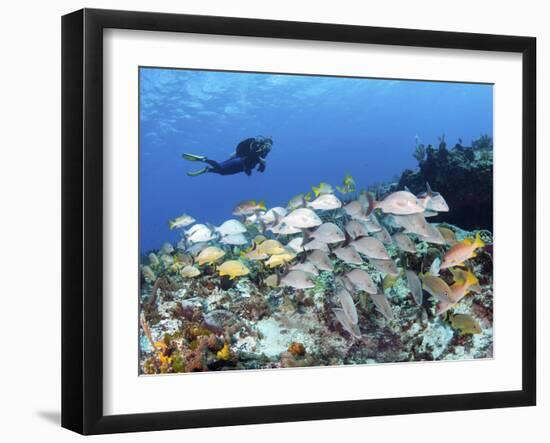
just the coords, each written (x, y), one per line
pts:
(261, 165)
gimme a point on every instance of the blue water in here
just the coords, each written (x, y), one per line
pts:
(322, 128)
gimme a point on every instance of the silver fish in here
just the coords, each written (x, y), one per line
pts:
(383, 305)
(344, 281)
(414, 284)
(306, 267)
(385, 266)
(197, 248)
(371, 247)
(348, 305)
(273, 215)
(404, 243)
(435, 267)
(296, 244)
(302, 218)
(349, 255)
(167, 248)
(298, 201)
(434, 235)
(413, 224)
(433, 201)
(383, 235)
(400, 203)
(361, 281)
(315, 245)
(297, 279)
(328, 233)
(356, 229)
(350, 328)
(437, 203)
(354, 208)
(234, 239)
(195, 228)
(283, 228)
(231, 227)
(201, 235)
(372, 224)
(320, 260)
(325, 202)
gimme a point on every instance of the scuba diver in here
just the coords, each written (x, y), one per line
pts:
(249, 154)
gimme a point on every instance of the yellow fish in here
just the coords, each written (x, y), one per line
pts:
(271, 247)
(466, 324)
(462, 251)
(233, 269)
(280, 259)
(189, 272)
(348, 185)
(259, 239)
(464, 283)
(389, 281)
(210, 255)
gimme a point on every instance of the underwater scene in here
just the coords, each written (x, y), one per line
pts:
(293, 221)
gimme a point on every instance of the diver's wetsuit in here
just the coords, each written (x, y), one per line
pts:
(249, 154)
(231, 166)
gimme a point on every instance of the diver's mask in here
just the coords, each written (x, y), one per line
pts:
(265, 145)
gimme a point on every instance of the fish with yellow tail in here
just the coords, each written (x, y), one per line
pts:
(181, 222)
(464, 283)
(277, 260)
(249, 207)
(323, 188)
(233, 269)
(271, 247)
(462, 251)
(348, 185)
(210, 255)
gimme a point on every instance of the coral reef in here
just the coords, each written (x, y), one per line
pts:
(205, 321)
(463, 174)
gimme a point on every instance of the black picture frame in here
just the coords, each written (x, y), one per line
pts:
(82, 216)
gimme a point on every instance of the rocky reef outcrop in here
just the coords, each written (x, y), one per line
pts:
(464, 175)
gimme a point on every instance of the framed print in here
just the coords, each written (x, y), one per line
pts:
(270, 221)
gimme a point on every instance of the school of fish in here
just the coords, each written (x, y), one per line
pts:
(338, 231)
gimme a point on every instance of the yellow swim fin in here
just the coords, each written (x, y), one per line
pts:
(194, 158)
(195, 173)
